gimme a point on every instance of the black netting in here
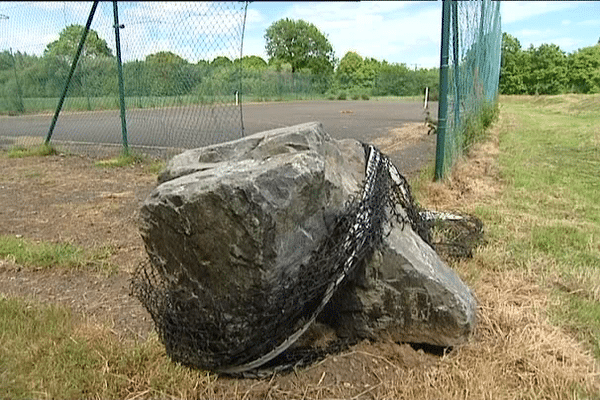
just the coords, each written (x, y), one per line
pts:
(258, 332)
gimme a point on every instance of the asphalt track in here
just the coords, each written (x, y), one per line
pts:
(361, 120)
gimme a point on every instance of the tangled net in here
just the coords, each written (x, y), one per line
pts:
(258, 336)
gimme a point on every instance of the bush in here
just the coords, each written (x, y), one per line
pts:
(475, 126)
(364, 96)
(342, 96)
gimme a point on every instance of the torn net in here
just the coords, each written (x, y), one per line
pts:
(259, 336)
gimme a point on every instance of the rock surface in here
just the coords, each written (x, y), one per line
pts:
(232, 220)
(238, 214)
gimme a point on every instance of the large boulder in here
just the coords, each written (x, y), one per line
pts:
(249, 241)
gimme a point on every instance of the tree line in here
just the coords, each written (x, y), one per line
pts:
(300, 63)
(547, 69)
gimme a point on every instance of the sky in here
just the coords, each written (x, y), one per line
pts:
(396, 31)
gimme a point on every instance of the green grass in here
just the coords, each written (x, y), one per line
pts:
(48, 255)
(26, 151)
(550, 156)
(547, 220)
(151, 165)
(45, 353)
(79, 104)
(122, 160)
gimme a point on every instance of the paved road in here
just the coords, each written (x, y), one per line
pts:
(361, 120)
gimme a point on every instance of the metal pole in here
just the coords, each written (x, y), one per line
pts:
(241, 67)
(456, 65)
(73, 66)
(443, 101)
(120, 72)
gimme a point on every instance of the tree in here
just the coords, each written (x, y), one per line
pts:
(68, 41)
(370, 70)
(165, 58)
(221, 61)
(349, 72)
(512, 66)
(548, 70)
(393, 79)
(59, 55)
(584, 70)
(252, 62)
(167, 74)
(300, 44)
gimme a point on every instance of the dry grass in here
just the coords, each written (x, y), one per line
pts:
(515, 353)
(399, 138)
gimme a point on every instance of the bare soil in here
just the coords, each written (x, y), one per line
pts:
(67, 199)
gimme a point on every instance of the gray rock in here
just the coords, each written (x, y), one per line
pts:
(232, 229)
(406, 293)
(240, 213)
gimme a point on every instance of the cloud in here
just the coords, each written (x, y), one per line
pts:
(394, 31)
(589, 22)
(192, 30)
(33, 25)
(536, 37)
(515, 11)
(566, 43)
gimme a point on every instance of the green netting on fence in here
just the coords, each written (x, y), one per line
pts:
(474, 48)
(180, 81)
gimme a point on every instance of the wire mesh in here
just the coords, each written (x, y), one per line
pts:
(179, 70)
(243, 332)
(474, 68)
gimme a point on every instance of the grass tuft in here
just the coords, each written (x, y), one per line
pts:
(28, 253)
(150, 166)
(123, 160)
(37, 151)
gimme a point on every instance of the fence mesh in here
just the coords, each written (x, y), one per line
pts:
(251, 332)
(474, 46)
(181, 71)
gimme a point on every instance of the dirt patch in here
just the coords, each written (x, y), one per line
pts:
(93, 298)
(410, 147)
(66, 199)
(403, 137)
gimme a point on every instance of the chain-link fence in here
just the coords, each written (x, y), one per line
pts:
(471, 50)
(180, 68)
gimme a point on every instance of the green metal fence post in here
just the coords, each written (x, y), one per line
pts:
(241, 68)
(72, 71)
(443, 100)
(120, 72)
(456, 65)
